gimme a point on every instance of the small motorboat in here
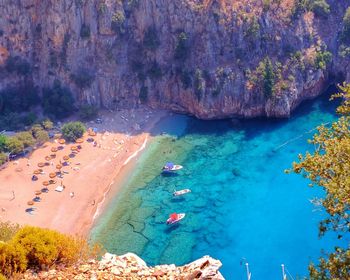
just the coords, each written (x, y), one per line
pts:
(170, 167)
(174, 218)
(181, 192)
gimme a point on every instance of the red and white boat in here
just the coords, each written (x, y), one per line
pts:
(174, 218)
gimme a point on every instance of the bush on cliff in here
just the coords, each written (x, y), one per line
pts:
(36, 248)
(73, 130)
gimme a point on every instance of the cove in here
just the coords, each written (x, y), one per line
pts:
(243, 207)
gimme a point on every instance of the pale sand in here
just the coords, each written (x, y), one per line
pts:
(98, 170)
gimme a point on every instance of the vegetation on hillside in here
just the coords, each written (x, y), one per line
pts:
(329, 167)
(73, 130)
(35, 248)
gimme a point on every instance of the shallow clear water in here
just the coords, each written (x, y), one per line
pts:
(243, 207)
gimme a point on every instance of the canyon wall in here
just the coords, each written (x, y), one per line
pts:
(208, 58)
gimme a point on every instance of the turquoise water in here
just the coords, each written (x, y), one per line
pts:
(243, 207)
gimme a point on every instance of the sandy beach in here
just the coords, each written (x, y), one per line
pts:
(87, 178)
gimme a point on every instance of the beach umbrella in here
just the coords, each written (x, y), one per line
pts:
(73, 148)
(46, 183)
(72, 155)
(51, 182)
(61, 141)
(79, 147)
(93, 134)
(47, 163)
(37, 199)
(59, 166)
(36, 172)
(54, 149)
(41, 164)
(52, 156)
(30, 202)
(60, 148)
(45, 190)
(66, 158)
(37, 192)
(79, 140)
(52, 175)
(34, 178)
(48, 158)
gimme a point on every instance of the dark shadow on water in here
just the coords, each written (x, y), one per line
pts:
(169, 174)
(178, 199)
(171, 228)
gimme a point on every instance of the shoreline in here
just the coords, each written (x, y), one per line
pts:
(96, 179)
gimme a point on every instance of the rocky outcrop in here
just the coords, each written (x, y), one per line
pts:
(208, 58)
(130, 266)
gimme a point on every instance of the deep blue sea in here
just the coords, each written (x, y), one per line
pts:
(243, 207)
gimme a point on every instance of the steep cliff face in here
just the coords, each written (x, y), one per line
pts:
(209, 58)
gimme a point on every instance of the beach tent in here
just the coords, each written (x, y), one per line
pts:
(59, 189)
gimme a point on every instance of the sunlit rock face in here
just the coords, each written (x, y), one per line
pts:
(130, 266)
(212, 59)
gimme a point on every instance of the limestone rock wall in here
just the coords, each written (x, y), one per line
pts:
(130, 266)
(201, 57)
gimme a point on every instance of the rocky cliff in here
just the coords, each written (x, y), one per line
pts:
(208, 58)
(130, 266)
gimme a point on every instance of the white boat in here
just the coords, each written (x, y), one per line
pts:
(175, 218)
(169, 167)
(181, 192)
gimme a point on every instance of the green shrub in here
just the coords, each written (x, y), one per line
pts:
(12, 259)
(42, 136)
(58, 101)
(3, 142)
(143, 95)
(26, 138)
(181, 48)
(322, 59)
(85, 31)
(252, 29)
(47, 124)
(14, 145)
(3, 158)
(36, 248)
(268, 78)
(7, 231)
(151, 40)
(118, 21)
(83, 78)
(320, 7)
(73, 130)
(88, 112)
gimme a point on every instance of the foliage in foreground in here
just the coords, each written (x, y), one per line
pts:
(329, 167)
(37, 248)
(73, 130)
